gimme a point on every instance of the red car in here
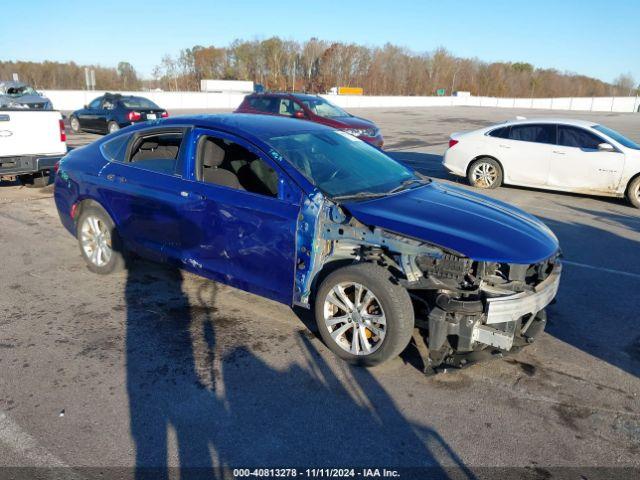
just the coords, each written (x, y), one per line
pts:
(314, 109)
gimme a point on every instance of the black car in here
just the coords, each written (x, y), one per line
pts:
(109, 113)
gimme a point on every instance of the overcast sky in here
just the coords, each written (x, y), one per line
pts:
(595, 38)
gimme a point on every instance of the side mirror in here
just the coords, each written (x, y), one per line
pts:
(86, 107)
(299, 114)
(606, 147)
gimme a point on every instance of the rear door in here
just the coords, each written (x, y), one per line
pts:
(578, 165)
(242, 211)
(526, 153)
(142, 191)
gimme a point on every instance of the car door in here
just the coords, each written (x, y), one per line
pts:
(526, 153)
(141, 189)
(578, 164)
(244, 210)
(88, 116)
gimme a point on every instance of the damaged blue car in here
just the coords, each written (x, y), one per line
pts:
(311, 216)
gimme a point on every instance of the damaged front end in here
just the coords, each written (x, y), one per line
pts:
(464, 306)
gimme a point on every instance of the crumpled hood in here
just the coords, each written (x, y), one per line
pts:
(474, 225)
(24, 100)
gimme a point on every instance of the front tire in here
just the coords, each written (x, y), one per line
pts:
(362, 315)
(99, 241)
(633, 192)
(485, 173)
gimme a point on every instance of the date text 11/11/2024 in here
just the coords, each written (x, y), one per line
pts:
(315, 473)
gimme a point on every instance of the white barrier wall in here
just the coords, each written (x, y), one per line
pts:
(69, 100)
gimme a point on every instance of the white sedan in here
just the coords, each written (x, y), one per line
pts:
(567, 155)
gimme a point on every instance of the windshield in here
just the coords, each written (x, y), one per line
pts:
(618, 137)
(20, 91)
(322, 108)
(341, 165)
(138, 102)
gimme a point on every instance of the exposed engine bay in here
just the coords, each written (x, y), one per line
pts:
(461, 305)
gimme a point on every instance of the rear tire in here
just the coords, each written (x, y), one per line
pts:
(100, 244)
(112, 127)
(367, 330)
(35, 180)
(74, 123)
(633, 192)
(485, 173)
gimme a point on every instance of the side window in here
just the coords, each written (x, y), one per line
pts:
(264, 104)
(108, 104)
(225, 163)
(115, 150)
(577, 137)
(157, 152)
(286, 107)
(534, 133)
(500, 132)
(95, 104)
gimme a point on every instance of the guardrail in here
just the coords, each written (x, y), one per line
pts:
(68, 100)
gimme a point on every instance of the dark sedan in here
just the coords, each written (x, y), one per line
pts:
(312, 108)
(110, 113)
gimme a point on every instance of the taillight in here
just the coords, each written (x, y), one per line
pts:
(56, 167)
(164, 114)
(452, 142)
(133, 116)
(63, 134)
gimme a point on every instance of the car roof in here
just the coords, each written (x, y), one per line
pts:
(302, 96)
(251, 125)
(561, 121)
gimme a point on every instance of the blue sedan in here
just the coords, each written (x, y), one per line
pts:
(311, 216)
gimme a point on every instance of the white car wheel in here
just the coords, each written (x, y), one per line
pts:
(485, 173)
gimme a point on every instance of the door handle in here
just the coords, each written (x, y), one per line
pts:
(559, 153)
(197, 196)
(122, 179)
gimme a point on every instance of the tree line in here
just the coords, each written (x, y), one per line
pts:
(71, 76)
(317, 65)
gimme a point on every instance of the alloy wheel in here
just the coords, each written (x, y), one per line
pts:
(484, 174)
(355, 318)
(95, 239)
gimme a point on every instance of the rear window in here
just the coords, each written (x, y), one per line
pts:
(500, 132)
(534, 133)
(157, 152)
(138, 102)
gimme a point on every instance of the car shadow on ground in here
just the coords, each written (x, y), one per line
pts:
(429, 164)
(206, 412)
(602, 322)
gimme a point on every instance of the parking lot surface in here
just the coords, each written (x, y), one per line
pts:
(155, 367)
